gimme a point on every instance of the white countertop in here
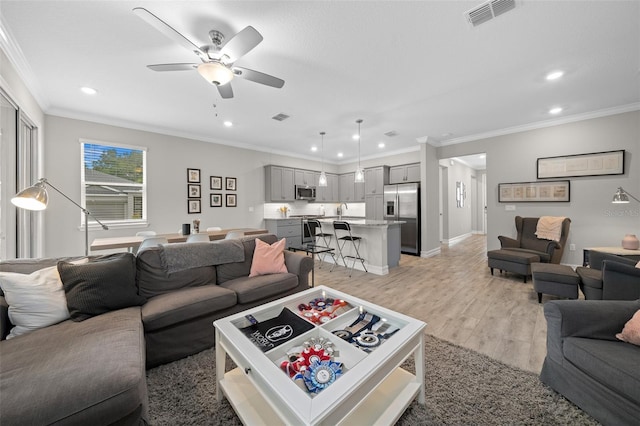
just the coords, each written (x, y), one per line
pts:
(365, 222)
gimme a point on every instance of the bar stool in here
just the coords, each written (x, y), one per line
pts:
(312, 226)
(355, 241)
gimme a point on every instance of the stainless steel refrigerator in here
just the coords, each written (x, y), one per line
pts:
(402, 202)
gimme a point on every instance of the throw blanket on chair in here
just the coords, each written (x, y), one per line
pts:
(180, 256)
(549, 228)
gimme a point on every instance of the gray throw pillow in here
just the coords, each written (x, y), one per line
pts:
(105, 284)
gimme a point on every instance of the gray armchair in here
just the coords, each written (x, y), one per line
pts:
(527, 241)
(609, 277)
(587, 364)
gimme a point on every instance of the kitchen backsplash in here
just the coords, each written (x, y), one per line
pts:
(274, 210)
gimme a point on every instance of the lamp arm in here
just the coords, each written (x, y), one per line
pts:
(84, 210)
(632, 196)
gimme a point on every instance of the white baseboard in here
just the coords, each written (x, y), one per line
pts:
(430, 253)
(456, 240)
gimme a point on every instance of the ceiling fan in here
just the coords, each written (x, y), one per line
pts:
(217, 66)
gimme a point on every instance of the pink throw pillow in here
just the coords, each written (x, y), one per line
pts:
(268, 258)
(631, 331)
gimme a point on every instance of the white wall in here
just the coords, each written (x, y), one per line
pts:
(168, 158)
(595, 221)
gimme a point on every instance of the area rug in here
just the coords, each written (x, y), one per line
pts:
(463, 388)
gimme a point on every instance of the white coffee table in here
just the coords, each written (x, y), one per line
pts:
(373, 390)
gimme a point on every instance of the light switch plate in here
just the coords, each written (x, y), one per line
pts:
(510, 207)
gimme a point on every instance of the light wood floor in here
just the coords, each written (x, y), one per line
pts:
(455, 294)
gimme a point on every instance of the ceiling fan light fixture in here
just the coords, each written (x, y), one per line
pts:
(215, 73)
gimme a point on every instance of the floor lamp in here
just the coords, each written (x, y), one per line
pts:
(36, 198)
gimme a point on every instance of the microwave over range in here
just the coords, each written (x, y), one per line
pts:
(305, 192)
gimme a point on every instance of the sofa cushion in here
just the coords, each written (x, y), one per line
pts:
(90, 372)
(184, 305)
(268, 258)
(153, 279)
(105, 284)
(261, 287)
(612, 363)
(231, 271)
(631, 331)
(35, 300)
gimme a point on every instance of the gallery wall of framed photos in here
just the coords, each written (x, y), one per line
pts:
(223, 191)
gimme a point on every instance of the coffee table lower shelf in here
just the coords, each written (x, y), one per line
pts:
(383, 406)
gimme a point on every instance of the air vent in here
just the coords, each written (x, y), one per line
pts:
(280, 117)
(391, 134)
(489, 10)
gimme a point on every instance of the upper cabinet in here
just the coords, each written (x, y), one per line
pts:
(279, 184)
(347, 188)
(306, 177)
(329, 193)
(375, 179)
(405, 173)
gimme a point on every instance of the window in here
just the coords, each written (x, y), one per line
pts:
(114, 186)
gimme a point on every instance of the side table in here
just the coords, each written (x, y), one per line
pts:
(619, 251)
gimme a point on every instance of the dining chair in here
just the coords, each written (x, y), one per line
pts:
(152, 242)
(234, 234)
(214, 229)
(198, 238)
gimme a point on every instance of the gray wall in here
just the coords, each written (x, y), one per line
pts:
(168, 158)
(595, 221)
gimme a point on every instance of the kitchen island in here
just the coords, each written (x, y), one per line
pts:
(380, 244)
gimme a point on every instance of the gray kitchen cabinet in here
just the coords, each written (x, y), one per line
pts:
(279, 184)
(347, 188)
(290, 229)
(306, 177)
(329, 193)
(404, 173)
(374, 207)
(375, 179)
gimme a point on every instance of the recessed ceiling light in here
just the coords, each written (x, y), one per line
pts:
(314, 148)
(555, 110)
(88, 90)
(554, 75)
(340, 154)
(381, 145)
(228, 124)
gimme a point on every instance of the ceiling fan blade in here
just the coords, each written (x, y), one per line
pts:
(241, 43)
(168, 30)
(226, 92)
(258, 77)
(173, 67)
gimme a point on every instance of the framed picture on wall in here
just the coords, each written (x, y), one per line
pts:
(193, 175)
(193, 190)
(593, 164)
(535, 192)
(230, 184)
(215, 200)
(232, 201)
(215, 182)
(193, 206)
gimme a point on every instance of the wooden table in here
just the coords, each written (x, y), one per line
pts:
(619, 251)
(132, 242)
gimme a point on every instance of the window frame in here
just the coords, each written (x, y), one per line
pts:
(113, 224)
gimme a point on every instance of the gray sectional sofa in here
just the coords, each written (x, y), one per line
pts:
(93, 371)
(587, 364)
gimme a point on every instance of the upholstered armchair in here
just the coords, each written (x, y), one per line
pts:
(609, 277)
(526, 240)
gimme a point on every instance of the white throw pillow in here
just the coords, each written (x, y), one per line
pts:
(35, 300)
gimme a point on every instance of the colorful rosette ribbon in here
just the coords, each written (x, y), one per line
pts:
(319, 375)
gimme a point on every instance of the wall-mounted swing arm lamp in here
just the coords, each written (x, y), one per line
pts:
(36, 198)
(622, 197)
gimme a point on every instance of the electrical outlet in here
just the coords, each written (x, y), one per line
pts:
(510, 207)
(572, 247)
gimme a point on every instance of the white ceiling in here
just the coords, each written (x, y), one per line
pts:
(413, 67)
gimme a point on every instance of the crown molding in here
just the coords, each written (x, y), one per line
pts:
(21, 65)
(543, 124)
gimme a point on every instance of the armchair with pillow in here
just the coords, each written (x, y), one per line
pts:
(549, 251)
(609, 277)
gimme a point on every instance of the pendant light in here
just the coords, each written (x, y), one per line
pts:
(359, 177)
(322, 181)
